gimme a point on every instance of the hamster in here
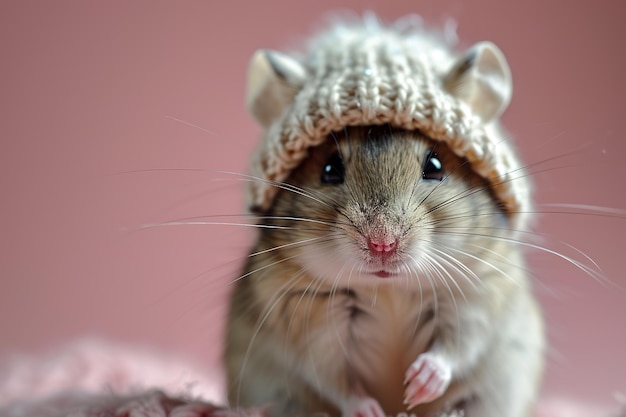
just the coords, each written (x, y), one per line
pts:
(384, 282)
(387, 275)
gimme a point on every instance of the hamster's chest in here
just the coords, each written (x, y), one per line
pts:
(383, 330)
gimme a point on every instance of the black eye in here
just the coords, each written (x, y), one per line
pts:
(334, 171)
(433, 168)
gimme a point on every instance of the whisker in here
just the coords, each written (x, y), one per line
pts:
(412, 270)
(538, 236)
(598, 275)
(302, 219)
(426, 267)
(523, 171)
(442, 273)
(463, 269)
(148, 170)
(195, 278)
(281, 185)
(287, 245)
(297, 190)
(247, 274)
(192, 125)
(486, 263)
(208, 223)
(588, 209)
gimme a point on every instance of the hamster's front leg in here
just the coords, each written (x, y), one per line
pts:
(463, 335)
(427, 379)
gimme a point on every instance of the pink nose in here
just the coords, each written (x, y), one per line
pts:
(380, 247)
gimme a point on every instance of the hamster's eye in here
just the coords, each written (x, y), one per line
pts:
(333, 171)
(433, 168)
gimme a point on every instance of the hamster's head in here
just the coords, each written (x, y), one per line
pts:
(375, 203)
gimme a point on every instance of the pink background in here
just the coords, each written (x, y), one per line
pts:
(95, 95)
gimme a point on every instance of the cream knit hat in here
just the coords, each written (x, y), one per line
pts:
(363, 73)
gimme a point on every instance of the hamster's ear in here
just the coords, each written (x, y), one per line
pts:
(482, 79)
(273, 81)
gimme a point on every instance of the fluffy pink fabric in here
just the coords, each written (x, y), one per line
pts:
(95, 379)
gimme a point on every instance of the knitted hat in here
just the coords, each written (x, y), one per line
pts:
(363, 73)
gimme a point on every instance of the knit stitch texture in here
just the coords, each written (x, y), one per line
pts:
(364, 73)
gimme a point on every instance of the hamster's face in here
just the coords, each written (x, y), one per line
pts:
(374, 204)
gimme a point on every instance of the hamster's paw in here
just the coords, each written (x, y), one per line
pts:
(362, 407)
(426, 379)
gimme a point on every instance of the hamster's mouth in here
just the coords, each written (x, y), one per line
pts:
(383, 269)
(383, 274)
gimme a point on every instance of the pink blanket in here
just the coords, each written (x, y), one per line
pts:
(96, 379)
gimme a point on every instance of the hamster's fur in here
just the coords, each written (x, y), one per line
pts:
(385, 279)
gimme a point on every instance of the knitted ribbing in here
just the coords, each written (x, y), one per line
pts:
(364, 74)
